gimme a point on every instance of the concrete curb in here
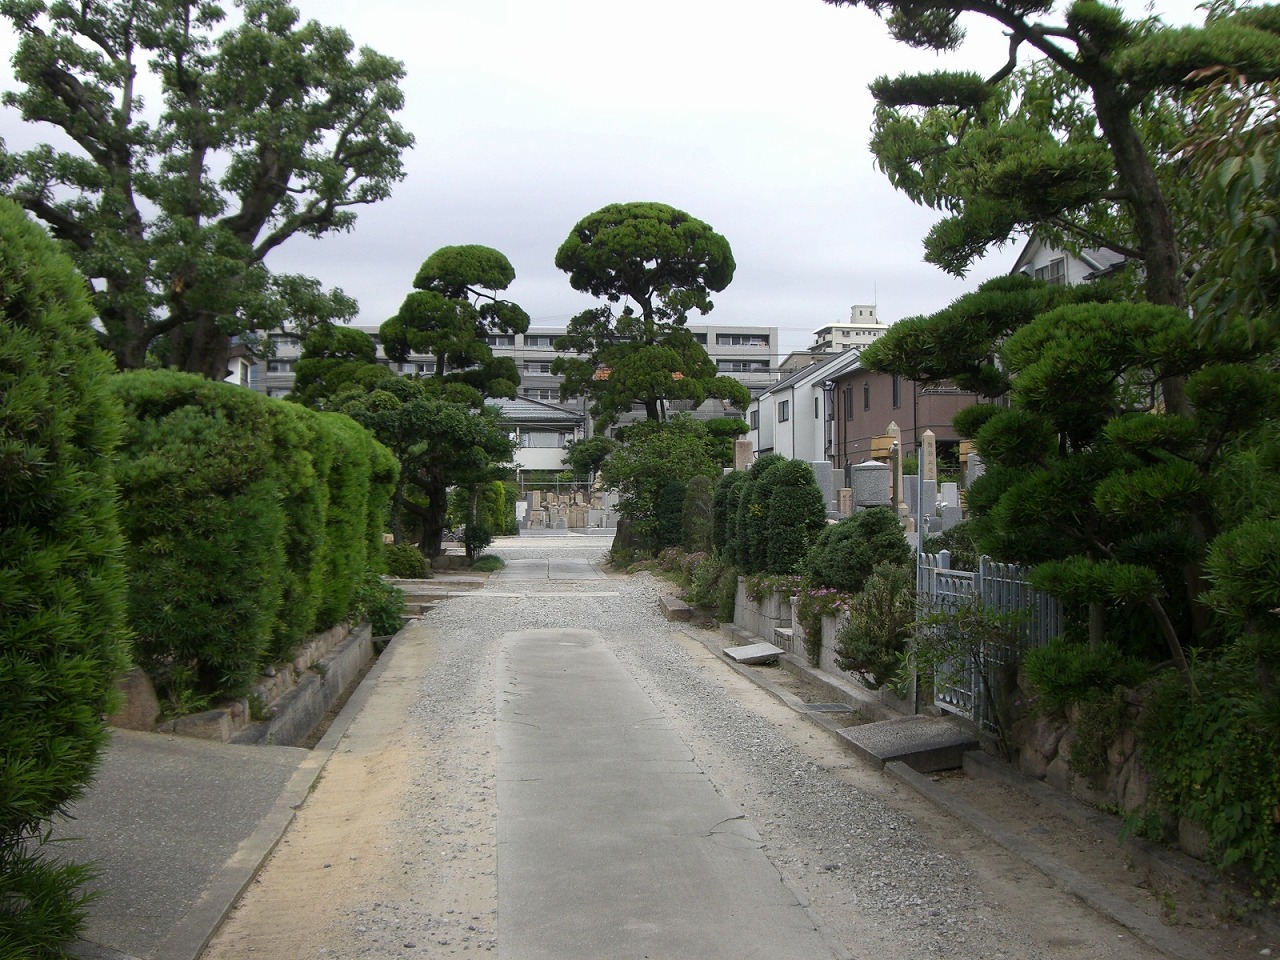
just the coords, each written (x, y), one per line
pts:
(1146, 928)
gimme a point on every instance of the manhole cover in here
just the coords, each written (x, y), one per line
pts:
(828, 707)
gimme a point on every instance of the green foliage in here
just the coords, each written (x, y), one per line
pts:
(653, 455)
(796, 511)
(1212, 762)
(336, 360)
(872, 641)
(668, 510)
(812, 604)
(845, 553)
(586, 456)
(258, 128)
(62, 584)
(724, 513)
(695, 518)
(454, 309)
(1065, 673)
(488, 563)
(970, 640)
(663, 263)
(239, 514)
(958, 542)
(751, 515)
(380, 603)
(405, 561)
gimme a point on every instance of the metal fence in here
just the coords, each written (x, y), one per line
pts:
(997, 587)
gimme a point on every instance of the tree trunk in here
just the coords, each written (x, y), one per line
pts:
(201, 347)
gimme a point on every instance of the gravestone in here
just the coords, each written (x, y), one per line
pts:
(844, 501)
(929, 456)
(871, 484)
(826, 477)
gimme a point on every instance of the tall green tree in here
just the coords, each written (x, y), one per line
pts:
(442, 437)
(264, 128)
(335, 360)
(453, 310)
(659, 263)
(1015, 151)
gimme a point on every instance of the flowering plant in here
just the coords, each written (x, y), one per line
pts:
(812, 604)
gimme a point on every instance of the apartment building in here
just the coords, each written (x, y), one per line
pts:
(748, 354)
(863, 327)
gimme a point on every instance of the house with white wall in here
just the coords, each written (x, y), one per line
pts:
(1041, 261)
(793, 417)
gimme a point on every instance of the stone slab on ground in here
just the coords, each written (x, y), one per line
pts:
(754, 653)
(673, 608)
(925, 744)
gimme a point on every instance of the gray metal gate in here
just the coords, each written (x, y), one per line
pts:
(999, 587)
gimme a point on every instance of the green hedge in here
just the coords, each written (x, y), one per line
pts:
(796, 513)
(845, 553)
(62, 585)
(249, 523)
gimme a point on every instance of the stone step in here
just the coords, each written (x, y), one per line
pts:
(925, 744)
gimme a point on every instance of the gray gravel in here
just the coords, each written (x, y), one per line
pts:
(878, 884)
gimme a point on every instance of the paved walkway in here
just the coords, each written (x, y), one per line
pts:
(612, 841)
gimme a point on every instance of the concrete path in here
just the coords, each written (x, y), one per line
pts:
(549, 567)
(612, 840)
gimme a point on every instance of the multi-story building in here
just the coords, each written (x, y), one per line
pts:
(748, 354)
(863, 327)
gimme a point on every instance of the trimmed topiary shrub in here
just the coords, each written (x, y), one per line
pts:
(724, 514)
(796, 514)
(202, 513)
(62, 584)
(749, 532)
(346, 524)
(845, 553)
(669, 513)
(404, 561)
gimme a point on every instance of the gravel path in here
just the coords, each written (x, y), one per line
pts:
(395, 854)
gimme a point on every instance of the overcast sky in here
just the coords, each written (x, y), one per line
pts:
(752, 115)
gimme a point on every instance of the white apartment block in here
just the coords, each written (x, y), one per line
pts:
(863, 327)
(748, 354)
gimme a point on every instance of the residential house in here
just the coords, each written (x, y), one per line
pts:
(542, 432)
(1053, 265)
(792, 416)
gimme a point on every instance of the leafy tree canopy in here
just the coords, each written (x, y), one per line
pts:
(264, 129)
(439, 441)
(452, 312)
(335, 360)
(1072, 143)
(659, 263)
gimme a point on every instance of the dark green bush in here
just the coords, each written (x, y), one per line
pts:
(405, 561)
(302, 457)
(724, 513)
(845, 553)
(796, 513)
(1212, 762)
(346, 523)
(202, 514)
(696, 520)
(380, 603)
(669, 514)
(749, 532)
(1065, 673)
(873, 639)
(62, 584)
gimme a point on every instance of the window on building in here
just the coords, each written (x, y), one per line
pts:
(753, 419)
(537, 368)
(279, 366)
(701, 338)
(866, 396)
(848, 403)
(784, 411)
(817, 410)
(502, 340)
(539, 340)
(897, 391)
(740, 340)
(1055, 271)
(742, 366)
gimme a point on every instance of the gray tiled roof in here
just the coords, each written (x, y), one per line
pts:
(523, 410)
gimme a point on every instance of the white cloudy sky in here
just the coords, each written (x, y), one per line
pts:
(752, 115)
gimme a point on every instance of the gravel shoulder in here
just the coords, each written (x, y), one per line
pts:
(394, 852)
